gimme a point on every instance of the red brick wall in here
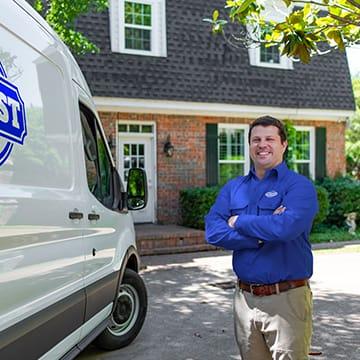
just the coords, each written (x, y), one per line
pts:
(187, 166)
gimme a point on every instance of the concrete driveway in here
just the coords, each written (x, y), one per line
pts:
(190, 309)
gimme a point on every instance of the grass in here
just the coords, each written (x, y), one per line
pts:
(325, 234)
(342, 249)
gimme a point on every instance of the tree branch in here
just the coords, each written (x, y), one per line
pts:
(343, 20)
(354, 3)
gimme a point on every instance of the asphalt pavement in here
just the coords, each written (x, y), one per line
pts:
(190, 308)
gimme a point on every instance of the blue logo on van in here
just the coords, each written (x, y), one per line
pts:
(12, 117)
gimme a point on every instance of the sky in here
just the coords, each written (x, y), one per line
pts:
(353, 55)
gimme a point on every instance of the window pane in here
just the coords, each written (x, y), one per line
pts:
(302, 168)
(134, 149)
(129, 12)
(270, 54)
(302, 145)
(229, 171)
(141, 149)
(147, 129)
(134, 128)
(232, 144)
(138, 39)
(122, 128)
(126, 149)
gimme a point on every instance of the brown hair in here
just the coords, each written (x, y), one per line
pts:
(269, 121)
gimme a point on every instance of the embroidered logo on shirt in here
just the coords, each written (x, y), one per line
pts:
(271, 194)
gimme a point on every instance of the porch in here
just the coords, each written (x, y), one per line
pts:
(154, 239)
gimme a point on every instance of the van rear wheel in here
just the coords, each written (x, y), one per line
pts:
(129, 313)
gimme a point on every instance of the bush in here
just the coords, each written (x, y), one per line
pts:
(323, 199)
(344, 197)
(195, 203)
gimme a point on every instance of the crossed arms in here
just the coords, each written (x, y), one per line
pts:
(245, 231)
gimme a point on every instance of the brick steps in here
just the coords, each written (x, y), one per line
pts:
(152, 239)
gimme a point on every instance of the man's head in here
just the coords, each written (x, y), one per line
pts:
(267, 140)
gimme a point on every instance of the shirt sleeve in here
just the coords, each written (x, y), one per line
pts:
(217, 230)
(301, 205)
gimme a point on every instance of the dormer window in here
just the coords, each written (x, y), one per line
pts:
(269, 54)
(269, 57)
(138, 27)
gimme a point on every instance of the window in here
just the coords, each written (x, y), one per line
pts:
(233, 151)
(269, 57)
(138, 27)
(97, 161)
(269, 54)
(303, 152)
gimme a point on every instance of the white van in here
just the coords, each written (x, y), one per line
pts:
(68, 262)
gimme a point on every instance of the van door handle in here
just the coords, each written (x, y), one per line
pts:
(75, 215)
(93, 216)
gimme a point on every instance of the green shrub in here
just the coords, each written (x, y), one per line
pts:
(344, 197)
(324, 205)
(195, 203)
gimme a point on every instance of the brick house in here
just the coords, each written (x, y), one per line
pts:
(162, 79)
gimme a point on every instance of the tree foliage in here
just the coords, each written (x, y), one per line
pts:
(301, 29)
(62, 14)
(353, 136)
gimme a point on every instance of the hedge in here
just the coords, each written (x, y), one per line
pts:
(195, 203)
(344, 196)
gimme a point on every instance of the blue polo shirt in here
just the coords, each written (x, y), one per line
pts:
(267, 248)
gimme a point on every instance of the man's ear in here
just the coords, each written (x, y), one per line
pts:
(285, 145)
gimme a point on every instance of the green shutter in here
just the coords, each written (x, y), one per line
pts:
(320, 151)
(212, 160)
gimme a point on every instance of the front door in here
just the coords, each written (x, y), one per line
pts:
(137, 151)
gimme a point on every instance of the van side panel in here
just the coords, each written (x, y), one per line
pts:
(41, 248)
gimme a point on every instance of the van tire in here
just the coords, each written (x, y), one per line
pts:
(128, 315)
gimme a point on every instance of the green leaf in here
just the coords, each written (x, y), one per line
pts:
(245, 5)
(215, 15)
(307, 10)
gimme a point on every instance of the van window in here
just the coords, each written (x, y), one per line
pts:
(97, 162)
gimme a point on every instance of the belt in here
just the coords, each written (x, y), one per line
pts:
(271, 289)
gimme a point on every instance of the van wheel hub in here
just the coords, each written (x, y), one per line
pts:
(126, 310)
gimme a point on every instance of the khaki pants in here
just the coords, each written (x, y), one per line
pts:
(275, 327)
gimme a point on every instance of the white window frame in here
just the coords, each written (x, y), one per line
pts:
(158, 28)
(255, 60)
(311, 161)
(246, 161)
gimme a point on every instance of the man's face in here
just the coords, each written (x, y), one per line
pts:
(266, 148)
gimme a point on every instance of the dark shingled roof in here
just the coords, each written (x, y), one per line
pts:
(202, 68)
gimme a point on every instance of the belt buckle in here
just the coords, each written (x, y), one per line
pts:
(252, 286)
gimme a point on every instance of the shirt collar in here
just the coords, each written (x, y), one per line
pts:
(279, 170)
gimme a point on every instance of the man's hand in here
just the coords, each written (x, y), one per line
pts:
(279, 210)
(232, 220)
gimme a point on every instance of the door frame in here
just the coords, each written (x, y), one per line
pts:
(152, 137)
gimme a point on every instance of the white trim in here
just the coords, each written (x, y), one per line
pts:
(216, 109)
(157, 28)
(311, 130)
(246, 161)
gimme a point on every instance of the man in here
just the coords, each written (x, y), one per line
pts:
(265, 217)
